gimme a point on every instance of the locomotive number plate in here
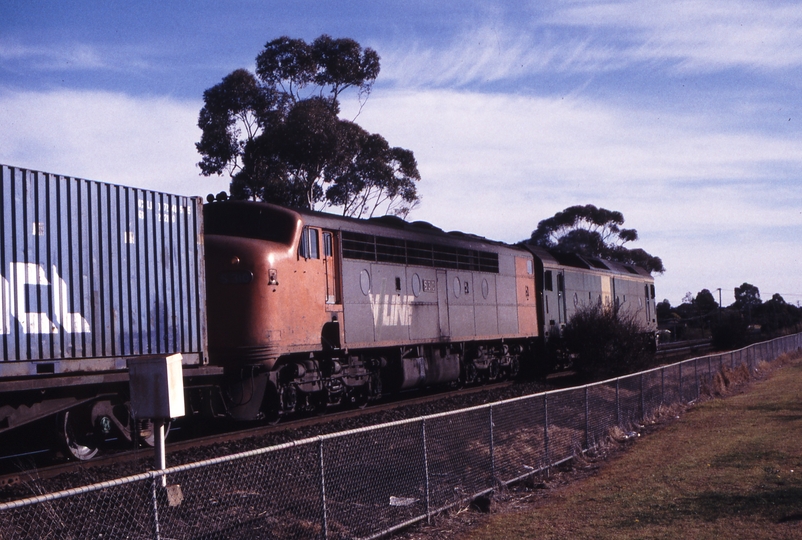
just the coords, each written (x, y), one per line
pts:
(429, 285)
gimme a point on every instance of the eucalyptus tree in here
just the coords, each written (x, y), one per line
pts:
(593, 232)
(278, 133)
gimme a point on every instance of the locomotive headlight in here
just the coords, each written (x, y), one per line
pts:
(273, 277)
(234, 260)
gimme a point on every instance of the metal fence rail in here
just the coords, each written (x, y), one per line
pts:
(369, 482)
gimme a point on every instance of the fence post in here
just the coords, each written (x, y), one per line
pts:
(492, 452)
(642, 401)
(323, 492)
(696, 375)
(617, 404)
(155, 497)
(426, 471)
(546, 432)
(680, 382)
(587, 419)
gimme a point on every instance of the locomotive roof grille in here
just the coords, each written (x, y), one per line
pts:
(367, 247)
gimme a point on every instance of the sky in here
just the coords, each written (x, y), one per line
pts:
(685, 116)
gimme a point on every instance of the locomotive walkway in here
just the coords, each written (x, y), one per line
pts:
(730, 468)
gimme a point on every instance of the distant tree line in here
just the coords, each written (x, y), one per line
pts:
(730, 326)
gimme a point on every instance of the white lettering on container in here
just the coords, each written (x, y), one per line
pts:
(12, 302)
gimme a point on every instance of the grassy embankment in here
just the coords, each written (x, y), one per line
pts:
(729, 468)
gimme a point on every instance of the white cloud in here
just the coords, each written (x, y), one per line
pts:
(143, 142)
(74, 56)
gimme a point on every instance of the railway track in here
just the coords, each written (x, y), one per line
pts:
(217, 437)
(683, 349)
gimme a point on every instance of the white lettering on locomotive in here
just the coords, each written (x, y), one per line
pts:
(391, 309)
(12, 301)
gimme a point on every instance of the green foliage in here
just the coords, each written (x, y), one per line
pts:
(776, 314)
(730, 331)
(593, 232)
(705, 303)
(279, 135)
(747, 296)
(664, 312)
(606, 342)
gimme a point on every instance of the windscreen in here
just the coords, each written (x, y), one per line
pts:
(250, 220)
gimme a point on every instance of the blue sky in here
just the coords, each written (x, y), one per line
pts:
(683, 115)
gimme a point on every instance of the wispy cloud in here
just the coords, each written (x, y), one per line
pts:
(77, 56)
(584, 148)
(699, 35)
(589, 37)
(73, 56)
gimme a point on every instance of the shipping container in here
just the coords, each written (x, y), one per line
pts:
(92, 274)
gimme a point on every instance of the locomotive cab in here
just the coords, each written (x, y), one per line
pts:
(274, 307)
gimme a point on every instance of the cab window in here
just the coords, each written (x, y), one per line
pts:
(328, 249)
(310, 244)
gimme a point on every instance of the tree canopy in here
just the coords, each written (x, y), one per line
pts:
(278, 133)
(747, 296)
(705, 302)
(593, 232)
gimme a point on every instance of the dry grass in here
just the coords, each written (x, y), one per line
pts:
(725, 468)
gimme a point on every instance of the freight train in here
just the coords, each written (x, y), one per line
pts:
(273, 310)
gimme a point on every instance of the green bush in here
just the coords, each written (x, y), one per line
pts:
(604, 342)
(730, 331)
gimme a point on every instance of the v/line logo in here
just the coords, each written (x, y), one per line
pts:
(12, 301)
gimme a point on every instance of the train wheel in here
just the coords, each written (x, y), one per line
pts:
(375, 385)
(358, 397)
(271, 405)
(515, 367)
(318, 403)
(470, 373)
(77, 434)
(492, 370)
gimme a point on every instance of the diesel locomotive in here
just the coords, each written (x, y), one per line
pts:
(273, 310)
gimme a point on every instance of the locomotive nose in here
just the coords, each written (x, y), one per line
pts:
(240, 287)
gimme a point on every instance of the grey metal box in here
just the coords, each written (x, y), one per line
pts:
(157, 387)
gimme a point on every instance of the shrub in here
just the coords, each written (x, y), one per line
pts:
(605, 342)
(730, 331)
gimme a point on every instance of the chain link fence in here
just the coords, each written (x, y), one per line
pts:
(369, 482)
